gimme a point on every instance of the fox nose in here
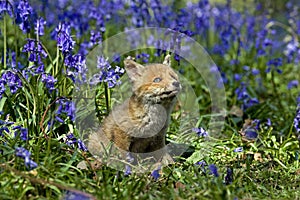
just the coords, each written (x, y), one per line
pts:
(176, 84)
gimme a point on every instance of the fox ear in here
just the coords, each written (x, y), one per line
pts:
(167, 60)
(132, 68)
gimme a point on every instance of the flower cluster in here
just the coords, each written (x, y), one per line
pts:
(155, 173)
(25, 154)
(66, 108)
(63, 37)
(107, 73)
(297, 118)
(71, 140)
(10, 79)
(36, 54)
(21, 132)
(76, 67)
(274, 63)
(201, 132)
(24, 12)
(243, 95)
(39, 26)
(49, 81)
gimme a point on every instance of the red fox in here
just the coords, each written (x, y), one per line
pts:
(140, 123)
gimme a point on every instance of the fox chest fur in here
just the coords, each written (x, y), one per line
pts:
(140, 123)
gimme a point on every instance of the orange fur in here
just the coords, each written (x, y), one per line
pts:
(140, 123)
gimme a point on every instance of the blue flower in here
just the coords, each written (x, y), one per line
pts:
(36, 54)
(10, 79)
(39, 26)
(255, 72)
(144, 57)
(24, 10)
(155, 173)
(202, 164)
(238, 150)
(127, 170)
(229, 176)
(66, 109)
(76, 67)
(71, 140)
(73, 195)
(293, 83)
(291, 50)
(3, 129)
(276, 63)
(201, 132)
(251, 133)
(269, 123)
(95, 38)
(49, 81)
(25, 154)
(243, 95)
(213, 170)
(6, 7)
(64, 40)
(81, 145)
(107, 74)
(22, 132)
(297, 119)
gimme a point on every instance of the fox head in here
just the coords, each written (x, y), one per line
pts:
(155, 83)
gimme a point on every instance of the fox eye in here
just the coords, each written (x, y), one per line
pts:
(157, 80)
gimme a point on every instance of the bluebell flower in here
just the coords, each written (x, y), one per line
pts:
(127, 170)
(24, 10)
(95, 38)
(25, 154)
(276, 63)
(251, 133)
(73, 195)
(76, 67)
(202, 164)
(4, 128)
(81, 145)
(293, 83)
(6, 7)
(71, 140)
(36, 54)
(291, 50)
(64, 40)
(49, 81)
(269, 123)
(213, 170)
(10, 79)
(229, 176)
(65, 108)
(238, 150)
(244, 96)
(297, 119)
(143, 57)
(21, 132)
(256, 122)
(255, 72)
(201, 132)
(39, 26)
(107, 73)
(237, 77)
(155, 173)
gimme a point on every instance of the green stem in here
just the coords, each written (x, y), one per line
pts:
(31, 91)
(107, 98)
(55, 70)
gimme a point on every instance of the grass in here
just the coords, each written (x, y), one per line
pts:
(266, 167)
